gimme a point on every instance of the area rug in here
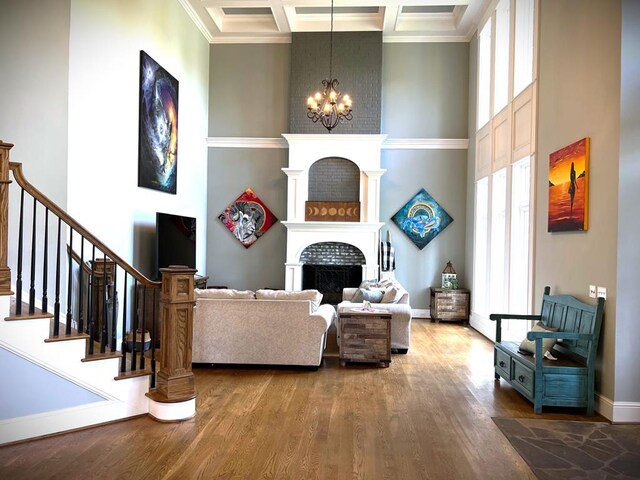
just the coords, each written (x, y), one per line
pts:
(557, 449)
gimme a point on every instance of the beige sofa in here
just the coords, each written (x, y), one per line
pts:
(400, 311)
(268, 327)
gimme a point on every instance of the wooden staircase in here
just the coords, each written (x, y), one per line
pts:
(78, 329)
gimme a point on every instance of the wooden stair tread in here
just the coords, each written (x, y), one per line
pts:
(133, 374)
(64, 337)
(101, 356)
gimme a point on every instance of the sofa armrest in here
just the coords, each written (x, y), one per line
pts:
(348, 293)
(327, 313)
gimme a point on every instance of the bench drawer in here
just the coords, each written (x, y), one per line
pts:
(523, 377)
(503, 364)
(562, 387)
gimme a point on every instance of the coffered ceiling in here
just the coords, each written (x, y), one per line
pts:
(273, 21)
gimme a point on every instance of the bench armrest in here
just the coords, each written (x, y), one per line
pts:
(498, 317)
(513, 316)
(560, 335)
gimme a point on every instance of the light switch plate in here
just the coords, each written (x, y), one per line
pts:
(592, 291)
(602, 292)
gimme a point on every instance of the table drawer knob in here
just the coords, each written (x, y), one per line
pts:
(502, 364)
(521, 378)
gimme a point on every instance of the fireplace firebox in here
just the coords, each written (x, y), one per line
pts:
(331, 279)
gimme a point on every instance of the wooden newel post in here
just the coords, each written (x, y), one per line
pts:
(5, 271)
(174, 397)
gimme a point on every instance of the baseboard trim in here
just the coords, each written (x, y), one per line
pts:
(43, 424)
(618, 412)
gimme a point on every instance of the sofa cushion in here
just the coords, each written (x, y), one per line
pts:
(313, 296)
(366, 295)
(225, 293)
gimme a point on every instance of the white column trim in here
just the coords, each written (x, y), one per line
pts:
(388, 144)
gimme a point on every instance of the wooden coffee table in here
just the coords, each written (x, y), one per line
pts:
(365, 336)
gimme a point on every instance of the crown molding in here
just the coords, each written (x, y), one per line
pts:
(388, 144)
(195, 18)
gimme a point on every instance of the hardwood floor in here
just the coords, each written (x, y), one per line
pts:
(427, 416)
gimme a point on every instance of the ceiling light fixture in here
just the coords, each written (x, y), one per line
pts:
(327, 107)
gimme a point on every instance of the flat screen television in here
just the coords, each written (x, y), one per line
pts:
(175, 241)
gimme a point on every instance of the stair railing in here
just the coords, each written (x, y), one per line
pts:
(86, 295)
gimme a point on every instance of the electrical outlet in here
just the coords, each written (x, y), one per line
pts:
(602, 292)
(592, 291)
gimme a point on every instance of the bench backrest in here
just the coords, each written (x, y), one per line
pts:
(568, 314)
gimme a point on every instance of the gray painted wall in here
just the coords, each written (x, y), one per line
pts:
(425, 90)
(357, 63)
(579, 96)
(627, 385)
(231, 172)
(471, 161)
(249, 90)
(19, 398)
(425, 95)
(442, 174)
(34, 80)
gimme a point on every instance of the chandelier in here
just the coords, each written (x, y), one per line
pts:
(327, 107)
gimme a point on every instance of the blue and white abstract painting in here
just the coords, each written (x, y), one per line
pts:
(422, 219)
(158, 134)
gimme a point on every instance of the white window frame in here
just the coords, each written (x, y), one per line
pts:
(507, 138)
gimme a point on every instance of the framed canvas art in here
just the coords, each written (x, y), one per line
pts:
(158, 127)
(248, 218)
(422, 219)
(569, 188)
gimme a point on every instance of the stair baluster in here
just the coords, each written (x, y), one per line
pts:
(32, 280)
(81, 274)
(114, 308)
(153, 341)
(134, 327)
(92, 327)
(45, 262)
(70, 275)
(123, 348)
(19, 266)
(56, 302)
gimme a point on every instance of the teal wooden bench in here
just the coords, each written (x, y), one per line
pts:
(567, 381)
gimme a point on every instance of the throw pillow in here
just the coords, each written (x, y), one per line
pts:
(392, 295)
(364, 295)
(225, 293)
(529, 346)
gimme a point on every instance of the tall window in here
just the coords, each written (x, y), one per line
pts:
(502, 224)
(523, 49)
(520, 226)
(484, 74)
(480, 267)
(497, 263)
(501, 81)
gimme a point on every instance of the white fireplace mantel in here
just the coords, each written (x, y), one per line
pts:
(304, 151)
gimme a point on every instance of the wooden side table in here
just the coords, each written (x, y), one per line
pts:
(365, 337)
(449, 304)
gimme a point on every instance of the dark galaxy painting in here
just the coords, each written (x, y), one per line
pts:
(158, 127)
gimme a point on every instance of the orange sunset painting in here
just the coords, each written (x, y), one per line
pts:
(568, 187)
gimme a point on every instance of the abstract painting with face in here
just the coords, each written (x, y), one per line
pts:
(158, 127)
(247, 217)
(422, 219)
